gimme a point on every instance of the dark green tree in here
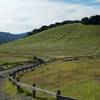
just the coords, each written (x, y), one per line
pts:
(85, 20)
(95, 20)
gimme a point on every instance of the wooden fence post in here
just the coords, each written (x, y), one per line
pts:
(23, 70)
(58, 94)
(17, 79)
(18, 72)
(9, 79)
(34, 92)
(31, 68)
(18, 88)
(14, 76)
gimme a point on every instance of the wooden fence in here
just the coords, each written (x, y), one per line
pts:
(35, 89)
(15, 81)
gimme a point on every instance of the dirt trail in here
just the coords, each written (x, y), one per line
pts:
(3, 95)
(3, 76)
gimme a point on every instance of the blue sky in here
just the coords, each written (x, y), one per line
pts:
(85, 2)
(18, 16)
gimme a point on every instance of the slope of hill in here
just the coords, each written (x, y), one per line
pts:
(7, 37)
(65, 40)
(78, 79)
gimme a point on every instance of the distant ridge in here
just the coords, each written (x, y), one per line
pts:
(7, 37)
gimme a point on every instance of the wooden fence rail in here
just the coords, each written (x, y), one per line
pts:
(33, 88)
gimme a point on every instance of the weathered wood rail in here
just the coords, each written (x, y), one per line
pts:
(31, 87)
(71, 58)
(34, 89)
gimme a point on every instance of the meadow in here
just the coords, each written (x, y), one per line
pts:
(65, 40)
(78, 79)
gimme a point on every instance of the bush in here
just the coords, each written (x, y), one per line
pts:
(94, 20)
(85, 20)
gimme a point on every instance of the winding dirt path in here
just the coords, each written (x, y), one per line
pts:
(3, 76)
(3, 95)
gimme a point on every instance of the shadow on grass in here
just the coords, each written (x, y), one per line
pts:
(37, 97)
(41, 98)
(20, 90)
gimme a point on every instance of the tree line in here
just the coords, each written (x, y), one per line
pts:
(95, 20)
(45, 27)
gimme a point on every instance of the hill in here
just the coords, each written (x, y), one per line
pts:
(78, 79)
(65, 40)
(92, 20)
(7, 37)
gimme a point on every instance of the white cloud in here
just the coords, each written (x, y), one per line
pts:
(24, 15)
(98, 1)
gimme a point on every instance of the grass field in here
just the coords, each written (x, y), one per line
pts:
(71, 39)
(77, 79)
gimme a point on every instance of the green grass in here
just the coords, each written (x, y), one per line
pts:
(9, 88)
(69, 39)
(77, 79)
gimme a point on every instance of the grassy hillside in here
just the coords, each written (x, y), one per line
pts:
(69, 39)
(77, 79)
